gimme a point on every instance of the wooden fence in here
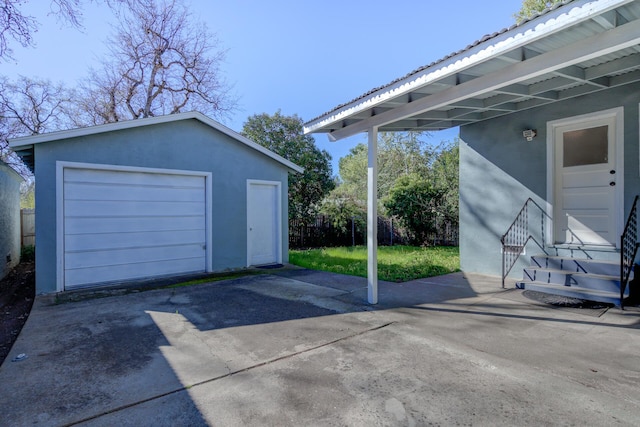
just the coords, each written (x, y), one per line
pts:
(28, 227)
(322, 233)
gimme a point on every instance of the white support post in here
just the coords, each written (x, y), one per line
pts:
(372, 217)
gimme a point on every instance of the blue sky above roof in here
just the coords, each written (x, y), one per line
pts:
(301, 57)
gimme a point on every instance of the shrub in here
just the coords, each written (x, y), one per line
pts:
(28, 253)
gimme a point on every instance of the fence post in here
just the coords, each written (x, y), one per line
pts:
(353, 231)
(302, 236)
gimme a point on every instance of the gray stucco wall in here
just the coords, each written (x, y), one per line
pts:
(9, 218)
(499, 170)
(180, 145)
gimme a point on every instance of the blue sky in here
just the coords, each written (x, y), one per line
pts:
(302, 57)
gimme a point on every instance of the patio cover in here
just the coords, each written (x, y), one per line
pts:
(572, 49)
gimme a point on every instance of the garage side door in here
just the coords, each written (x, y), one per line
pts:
(121, 225)
(263, 222)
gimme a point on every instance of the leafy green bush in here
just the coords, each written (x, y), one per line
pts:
(28, 254)
(416, 202)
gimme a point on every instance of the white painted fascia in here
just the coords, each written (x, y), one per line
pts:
(548, 24)
(26, 141)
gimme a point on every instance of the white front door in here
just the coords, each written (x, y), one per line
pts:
(586, 180)
(263, 223)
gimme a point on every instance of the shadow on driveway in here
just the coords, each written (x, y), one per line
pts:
(296, 347)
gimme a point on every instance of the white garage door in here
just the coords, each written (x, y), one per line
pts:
(123, 225)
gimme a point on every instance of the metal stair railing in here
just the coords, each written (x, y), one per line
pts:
(518, 235)
(628, 249)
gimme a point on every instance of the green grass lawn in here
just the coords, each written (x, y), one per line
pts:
(395, 263)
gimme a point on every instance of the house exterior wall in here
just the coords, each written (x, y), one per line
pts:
(9, 218)
(180, 145)
(499, 170)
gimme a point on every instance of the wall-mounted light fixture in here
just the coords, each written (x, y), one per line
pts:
(529, 134)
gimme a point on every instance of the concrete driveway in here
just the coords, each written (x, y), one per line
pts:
(297, 347)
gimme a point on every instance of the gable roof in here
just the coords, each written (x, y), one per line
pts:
(571, 49)
(23, 146)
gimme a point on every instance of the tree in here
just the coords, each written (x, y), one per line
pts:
(531, 8)
(28, 194)
(417, 183)
(415, 200)
(29, 107)
(353, 177)
(341, 211)
(17, 26)
(424, 203)
(33, 106)
(445, 176)
(399, 154)
(284, 135)
(161, 62)
(14, 25)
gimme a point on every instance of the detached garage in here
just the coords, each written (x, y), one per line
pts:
(154, 197)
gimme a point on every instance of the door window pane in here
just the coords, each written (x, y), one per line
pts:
(585, 146)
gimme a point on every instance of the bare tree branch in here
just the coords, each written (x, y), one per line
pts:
(166, 64)
(29, 107)
(69, 11)
(17, 26)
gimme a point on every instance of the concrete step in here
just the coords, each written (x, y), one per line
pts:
(601, 282)
(579, 265)
(574, 292)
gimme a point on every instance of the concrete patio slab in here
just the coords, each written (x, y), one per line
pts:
(295, 347)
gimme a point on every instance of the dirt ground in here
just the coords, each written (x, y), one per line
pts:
(17, 291)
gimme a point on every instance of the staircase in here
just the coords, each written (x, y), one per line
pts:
(602, 280)
(587, 279)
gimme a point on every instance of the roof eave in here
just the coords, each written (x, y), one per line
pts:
(516, 37)
(26, 142)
